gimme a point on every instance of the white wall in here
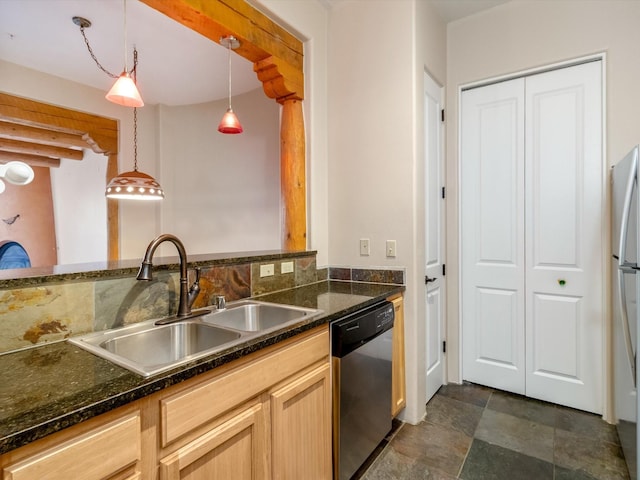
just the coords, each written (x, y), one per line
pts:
(81, 226)
(526, 34)
(222, 191)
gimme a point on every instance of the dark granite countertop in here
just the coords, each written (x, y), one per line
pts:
(52, 387)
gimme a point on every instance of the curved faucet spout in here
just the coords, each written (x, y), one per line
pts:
(184, 307)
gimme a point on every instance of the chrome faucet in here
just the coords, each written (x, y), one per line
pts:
(186, 297)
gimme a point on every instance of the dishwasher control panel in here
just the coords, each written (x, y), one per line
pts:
(354, 330)
(385, 318)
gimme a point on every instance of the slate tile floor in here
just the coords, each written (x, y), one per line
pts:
(473, 432)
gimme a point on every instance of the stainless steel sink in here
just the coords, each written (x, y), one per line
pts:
(149, 349)
(254, 316)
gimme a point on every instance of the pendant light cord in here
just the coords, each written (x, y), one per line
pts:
(229, 49)
(135, 139)
(125, 34)
(135, 52)
(93, 55)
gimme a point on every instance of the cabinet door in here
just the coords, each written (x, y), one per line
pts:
(235, 449)
(398, 382)
(301, 427)
(111, 451)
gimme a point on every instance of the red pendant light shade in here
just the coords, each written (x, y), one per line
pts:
(230, 123)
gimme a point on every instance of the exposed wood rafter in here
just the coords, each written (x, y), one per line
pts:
(41, 134)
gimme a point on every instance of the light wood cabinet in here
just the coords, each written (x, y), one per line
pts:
(398, 381)
(109, 451)
(266, 415)
(301, 426)
(237, 448)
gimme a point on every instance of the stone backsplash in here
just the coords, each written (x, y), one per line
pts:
(51, 311)
(54, 311)
(369, 275)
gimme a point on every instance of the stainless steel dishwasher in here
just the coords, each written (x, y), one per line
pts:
(361, 351)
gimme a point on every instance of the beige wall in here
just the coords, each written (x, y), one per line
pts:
(222, 192)
(378, 53)
(522, 35)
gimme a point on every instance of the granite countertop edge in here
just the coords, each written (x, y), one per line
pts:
(73, 414)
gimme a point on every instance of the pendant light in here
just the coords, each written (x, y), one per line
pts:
(230, 123)
(16, 173)
(134, 185)
(124, 91)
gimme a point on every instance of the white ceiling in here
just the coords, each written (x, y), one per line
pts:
(177, 66)
(450, 10)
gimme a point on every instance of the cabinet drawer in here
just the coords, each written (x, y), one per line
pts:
(97, 454)
(189, 409)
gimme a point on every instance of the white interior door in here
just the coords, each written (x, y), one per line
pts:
(434, 234)
(564, 274)
(492, 235)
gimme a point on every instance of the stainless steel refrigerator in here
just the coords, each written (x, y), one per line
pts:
(626, 292)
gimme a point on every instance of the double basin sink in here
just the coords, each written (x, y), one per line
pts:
(149, 349)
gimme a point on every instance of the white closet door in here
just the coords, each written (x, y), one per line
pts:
(564, 274)
(492, 235)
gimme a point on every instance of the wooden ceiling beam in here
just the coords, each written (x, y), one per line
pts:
(262, 41)
(32, 160)
(103, 131)
(44, 135)
(40, 149)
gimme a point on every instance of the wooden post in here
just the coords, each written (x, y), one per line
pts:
(113, 222)
(292, 176)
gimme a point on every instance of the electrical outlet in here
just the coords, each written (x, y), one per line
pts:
(266, 270)
(286, 267)
(364, 246)
(391, 248)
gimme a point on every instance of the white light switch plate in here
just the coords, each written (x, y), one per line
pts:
(391, 248)
(364, 246)
(286, 267)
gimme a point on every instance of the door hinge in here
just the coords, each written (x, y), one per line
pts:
(443, 192)
(444, 346)
(444, 269)
(442, 115)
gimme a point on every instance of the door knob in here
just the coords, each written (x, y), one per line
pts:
(429, 280)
